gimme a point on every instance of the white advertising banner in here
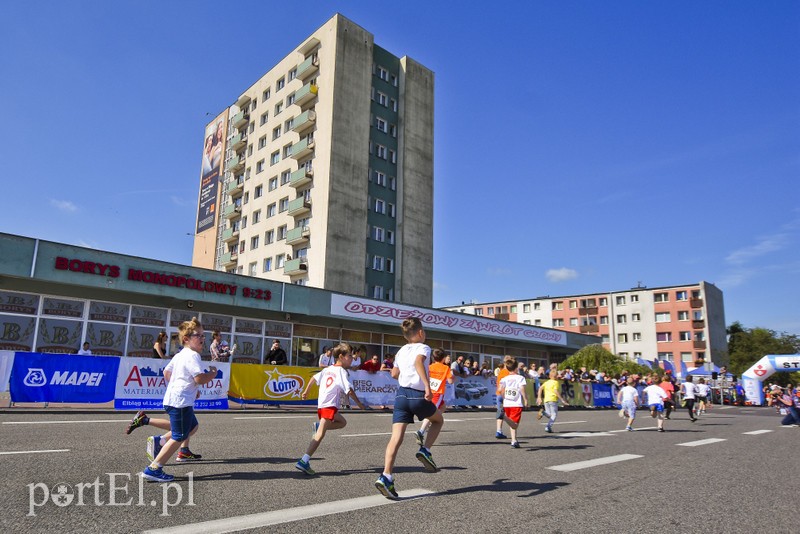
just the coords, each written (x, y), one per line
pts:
(6, 363)
(379, 389)
(392, 313)
(141, 385)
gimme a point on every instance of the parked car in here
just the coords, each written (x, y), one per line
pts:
(464, 390)
(482, 390)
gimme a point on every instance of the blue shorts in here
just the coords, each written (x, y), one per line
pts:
(409, 403)
(657, 407)
(181, 421)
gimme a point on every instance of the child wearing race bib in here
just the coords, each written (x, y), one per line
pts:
(440, 376)
(512, 389)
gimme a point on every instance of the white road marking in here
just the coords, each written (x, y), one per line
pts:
(277, 517)
(722, 407)
(756, 432)
(637, 429)
(583, 434)
(562, 422)
(701, 442)
(34, 452)
(274, 417)
(364, 435)
(597, 461)
(66, 422)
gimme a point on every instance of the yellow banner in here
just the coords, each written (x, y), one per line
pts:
(251, 383)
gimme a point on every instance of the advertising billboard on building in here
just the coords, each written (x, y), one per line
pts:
(213, 157)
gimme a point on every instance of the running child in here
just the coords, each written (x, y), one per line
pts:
(512, 389)
(500, 415)
(702, 395)
(551, 393)
(413, 398)
(655, 401)
(333, 381)
(628, 399)
(441, 375)
(184, 374)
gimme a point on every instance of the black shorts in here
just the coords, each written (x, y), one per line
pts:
(409, 403)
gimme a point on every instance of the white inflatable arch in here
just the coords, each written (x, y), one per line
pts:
(763, 369)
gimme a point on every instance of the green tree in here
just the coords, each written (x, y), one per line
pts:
(748, 345)
(597, 357)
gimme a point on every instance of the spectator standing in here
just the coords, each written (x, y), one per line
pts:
(159, 347)
(85, 351)
(373, 365)
(388, 363)
(276, 355)
(326, 358)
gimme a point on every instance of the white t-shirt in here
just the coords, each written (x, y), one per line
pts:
(405, 361)
(86, 352)
(513, 384)
(689, 390)
(629, 394)
(325, 360)
(655, 395)
(702, 390)
(182, 389)
(356, 363)
(333, 382)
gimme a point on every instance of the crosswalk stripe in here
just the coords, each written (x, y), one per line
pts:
(701, 442)
(756, 432)
(593, 463)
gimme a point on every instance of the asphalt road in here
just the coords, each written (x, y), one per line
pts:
(740, 477)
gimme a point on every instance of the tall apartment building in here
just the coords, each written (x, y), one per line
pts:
(321, 172)
(677, 323)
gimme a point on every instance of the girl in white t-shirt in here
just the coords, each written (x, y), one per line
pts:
(628, 399)
(333, 383)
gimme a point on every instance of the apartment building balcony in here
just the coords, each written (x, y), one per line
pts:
(309, 45)
(589, 328)
(698, 325)
(305, 94)
(589, 310)
(298, 235)
(228, 259)
(308, 67)
(304, 121)
(242, 101)
(298, 206)
(240, 119)
(302, 148)
(235, 188)
(231, 211)
(301, 176)
(699, 345)
(696, 303)
(238, 141)
(229, 235)
(295, 266)
(235, 164)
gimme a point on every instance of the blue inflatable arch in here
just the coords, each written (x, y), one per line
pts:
(763, 369)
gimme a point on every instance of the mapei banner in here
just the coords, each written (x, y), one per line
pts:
(279, 384)
(37, 377)
(141, 385)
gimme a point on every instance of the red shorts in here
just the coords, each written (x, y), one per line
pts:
(513, 412)
(438, 400)
(328, 413)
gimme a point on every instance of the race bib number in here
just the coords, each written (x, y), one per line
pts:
(435, 383)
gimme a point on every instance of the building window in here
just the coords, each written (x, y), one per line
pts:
(377, 292)
(573, 304)
(380, 124)
(281, 232)
(267, 265)
(383, 100)
(280, 261)
(393, 130)
(392, 156)
(621, 319)
(276, 132)
(559, 305)
(684, 336)
(283, 204)
(636, 317)
(246, 197)
(278, 108)
(290, 100)
(264, 117)
(604, 319)
(573, 321)
(241, 246)
(537, 306)
(266, 94)
(389, 265)
(390, 237)
(526, 308)
(558, 322)
(293, 74)
(273, 183)
(258, 191)
(262, 142)
(637, 336)
(280, 84)
(393, 183)
(681, 295)
(285, 177)
(377, 233)
(380, 206)
(383, 74)
(660, 297)
(269, 237)
(603, 301)
(380, 151)
(288, 125)
(687, 357)
(622, 338)
(275, 157)
(697, 315)
(663, 337)
(256, 216)
(683, 315)
(380, 178)
(479, 312)
(634, 298)
(377, 263)
(271, 210)
(696, 294)
(662, 317)
(513, 309)
(620, 301)
(490, 310)
(259, 166)
(252, 268)
(254, 242)
(392, 212)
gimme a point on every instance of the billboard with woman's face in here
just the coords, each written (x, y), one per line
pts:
(213, 150)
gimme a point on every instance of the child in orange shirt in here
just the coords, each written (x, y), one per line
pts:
(440, 376)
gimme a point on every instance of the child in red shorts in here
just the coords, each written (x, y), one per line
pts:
(512, 390)
(333, 381)
(440, 376)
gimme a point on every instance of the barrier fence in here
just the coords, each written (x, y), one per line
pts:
(139, 383)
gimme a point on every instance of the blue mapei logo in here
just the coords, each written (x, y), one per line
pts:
(36, 378)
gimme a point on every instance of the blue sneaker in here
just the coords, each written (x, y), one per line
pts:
(153, 447)
(156, 475)
(420, 437)
(427, 460)
(386, 487)
(500, 435)
(305, 467)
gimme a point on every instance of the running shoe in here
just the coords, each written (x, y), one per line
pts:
(419, 435)
(305, 467)
(156, 475)
(140, 419)
(427, 460)
(187, 456)
(661, 430)
(500, 435)
(153, 447)
(515, 444)
(548, 430)
(386, 487)
(629, 428)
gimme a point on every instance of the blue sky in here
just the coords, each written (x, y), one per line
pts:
(580, 146)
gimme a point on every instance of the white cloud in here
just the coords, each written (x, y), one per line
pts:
(765, 245)
(64, 205)
(498, 271)
(561, 275)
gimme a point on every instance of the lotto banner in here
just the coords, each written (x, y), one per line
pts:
(6, 362)
(141, 386)
(37, 377)
(277, 384)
